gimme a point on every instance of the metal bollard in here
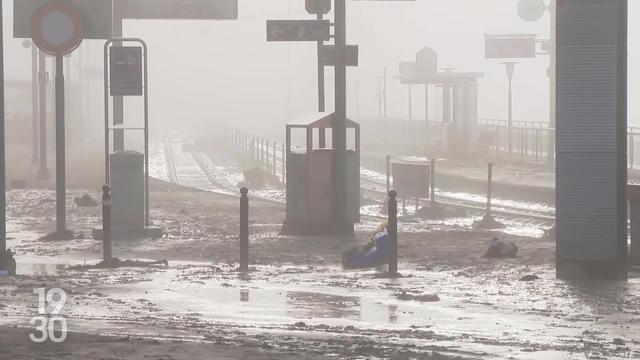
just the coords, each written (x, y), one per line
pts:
(489, 188)
(106, 223)
(244, 230)
(392, 232)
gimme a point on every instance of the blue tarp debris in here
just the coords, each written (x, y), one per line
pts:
(372, 254)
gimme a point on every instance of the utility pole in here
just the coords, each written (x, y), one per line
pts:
(61, 188)
(43, 172)
(321, 98)
(384, 91)
(118, 101)
(510, 69)
(28, 44)
(552, 86)
(340, 223)
(3, 193)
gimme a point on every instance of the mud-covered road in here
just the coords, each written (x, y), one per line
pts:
(297, 302)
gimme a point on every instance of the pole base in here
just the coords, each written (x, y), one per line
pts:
(150, 232)
(317, 229)
(591, 270)
(488, 222)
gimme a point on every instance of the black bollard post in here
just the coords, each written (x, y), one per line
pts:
(392, 231)
(106, 223)
(244, 230)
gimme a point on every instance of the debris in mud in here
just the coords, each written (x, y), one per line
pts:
(117, 263)
(409, 296)
(501, 249)
(58, 236)
(528, 278)
(488, 222)
(619, 342)
(85, 201)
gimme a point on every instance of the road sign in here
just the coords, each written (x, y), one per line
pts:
(298, 30)
(95, 15)
(178, 9)
(57, 28)
(410, 179)
(329, 56)
(531, 10)
(318, 7)
(510, 46)
(126, 71)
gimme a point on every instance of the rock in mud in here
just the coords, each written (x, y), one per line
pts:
(528, 278)
(501, 249)
(619, 342)
(85, 201)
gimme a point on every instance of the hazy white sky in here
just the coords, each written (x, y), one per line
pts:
(225, 71)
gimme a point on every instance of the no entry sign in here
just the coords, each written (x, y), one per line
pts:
(126, 71)
(57, 28)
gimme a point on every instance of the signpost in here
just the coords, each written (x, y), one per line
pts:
(57, 28)
(126, 74)
(510, 46)
(319, 30)
(3, 166)
(95, 16)
(126, 71)
(298, 30)
(329, 55)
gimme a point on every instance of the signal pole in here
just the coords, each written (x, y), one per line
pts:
(3, 194)
(341, 223)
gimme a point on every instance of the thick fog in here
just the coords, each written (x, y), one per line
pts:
(208, 72)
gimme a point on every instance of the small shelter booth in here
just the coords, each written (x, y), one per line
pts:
(309, 173)
(458, 128)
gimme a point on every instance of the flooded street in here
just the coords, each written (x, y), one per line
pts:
(296, 298)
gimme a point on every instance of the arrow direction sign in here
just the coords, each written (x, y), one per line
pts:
(329, 55)
(298, 30)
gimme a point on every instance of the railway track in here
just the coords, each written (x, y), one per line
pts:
(374, 187)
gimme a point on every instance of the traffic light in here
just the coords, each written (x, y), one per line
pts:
(318, 7)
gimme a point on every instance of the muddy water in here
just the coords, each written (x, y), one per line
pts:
(494, 316)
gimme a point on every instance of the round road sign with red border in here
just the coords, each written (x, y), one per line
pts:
(57, 28)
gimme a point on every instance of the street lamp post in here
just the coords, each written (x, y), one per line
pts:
(510, 69)
(340, 217)
(3, 195)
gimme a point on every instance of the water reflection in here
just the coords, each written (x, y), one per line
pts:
(244, 295)
(393, 313)
(323, 306)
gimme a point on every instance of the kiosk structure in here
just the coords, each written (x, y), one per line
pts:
(309, 173)
(458, 129)
(127, 171)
